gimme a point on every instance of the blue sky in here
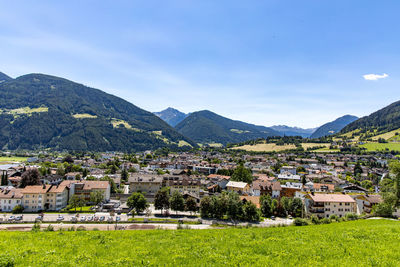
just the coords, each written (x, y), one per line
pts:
(299, 63)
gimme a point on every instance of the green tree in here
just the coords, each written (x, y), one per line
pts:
(124, 175)
(177, 203)
(285, 205)
(96, 197)
(137, 202)
(296, 207)
(30, 177)
(242, 174)
(190, 205)
(265, 202)
(75, 202)
(234, 206)
(206, 207)
(250, 212)
(161, 200)
(85, 172)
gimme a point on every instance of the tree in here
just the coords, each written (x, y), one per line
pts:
(177, 202)
(18, 209)
(96, 197)
(137, 202)
(296, 207)
(357, 169)
(234, 206)
(161, 200)
(274, 206)
(4, 179)
(242, 174)
(85, 172)
(74, 202)
(265, 202)
(190, 205)
(30, 177)
(112, 183)
(124, 175)
(285, 205)
(206, 207)
(250, 212)
(68, 159)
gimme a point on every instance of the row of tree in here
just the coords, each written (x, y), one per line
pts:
(283, 207)
(229, 206)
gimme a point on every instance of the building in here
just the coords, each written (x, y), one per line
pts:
(365, 203)
(183, 185)
(84, 188)
(146, 183)
(239, 187)
(288, 170)
(325, 205)
(45, 197)
(9, 198)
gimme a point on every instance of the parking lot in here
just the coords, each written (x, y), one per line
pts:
(64, 217)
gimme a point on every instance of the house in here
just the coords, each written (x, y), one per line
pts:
(325, 205)
(365, 203)
(354, 189)
(183, 185)
(84, 188)
(328, 188)
(9, 198)
(45, 197)
(145, 183)
(288, 170)
(260, 187)
(239, 187)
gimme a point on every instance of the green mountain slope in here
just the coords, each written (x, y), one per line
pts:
(40, 111)
(171, 116)
(207, 127)
(293, 131)
(334, 126)
(4, 77)
(383, 120)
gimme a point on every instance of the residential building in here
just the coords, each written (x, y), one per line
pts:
(239, 187)
(9, 198)
(325, 205)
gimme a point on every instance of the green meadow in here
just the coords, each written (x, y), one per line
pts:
(354, 243)
(381, 146)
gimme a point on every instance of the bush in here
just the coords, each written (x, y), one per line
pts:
(36, 227)
(49, 228)
(333, 217)
(315, 220)
(18, 209)
(351, 216)
(300, 222)
(325, 221)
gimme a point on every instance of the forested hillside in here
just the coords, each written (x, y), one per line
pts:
(39, 111)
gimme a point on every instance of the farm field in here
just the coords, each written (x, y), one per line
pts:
(4, 160)
(273, 147)
(355, 243)
(381, 146)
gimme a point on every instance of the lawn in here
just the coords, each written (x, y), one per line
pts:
(264, 147)
(356, 243)
(381, 146)
(12, 159)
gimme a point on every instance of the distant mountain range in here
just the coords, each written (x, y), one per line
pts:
(41, 111)
(293, 131)
(171, 116)
(334, 126)
(207, 127)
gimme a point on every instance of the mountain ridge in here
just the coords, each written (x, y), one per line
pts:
(333, 127)
(171, 116)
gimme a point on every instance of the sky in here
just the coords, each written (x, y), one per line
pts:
(271, 62)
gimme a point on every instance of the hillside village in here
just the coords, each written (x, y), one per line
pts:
(323, 185)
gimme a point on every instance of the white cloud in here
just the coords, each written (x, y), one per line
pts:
(375, 77)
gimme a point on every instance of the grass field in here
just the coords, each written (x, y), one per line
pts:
(387, 136)
(12, 159)
(356, 243)
(273, 147)
(381, 146)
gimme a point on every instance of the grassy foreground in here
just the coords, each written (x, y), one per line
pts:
(356, 243)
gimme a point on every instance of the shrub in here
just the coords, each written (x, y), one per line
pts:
(325, 221)
(300, 222)
(18, 209)
(36, 227)
(351, 216)
(333, 217)
(315, 220)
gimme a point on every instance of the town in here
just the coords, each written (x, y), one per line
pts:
(200, 186)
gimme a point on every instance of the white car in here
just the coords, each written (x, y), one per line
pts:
(83, 218)
(60, 218)
(90, 218)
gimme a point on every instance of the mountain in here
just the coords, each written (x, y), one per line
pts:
(41, 111)
(4, 77)
(384, 120)
(207, 127)
(293, 131)
(171, 116)
(334, 126)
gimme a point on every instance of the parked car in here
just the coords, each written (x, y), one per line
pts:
(95, 218)
(74, 219)
(102, 218)
(90, 218)
(117, 218)
(109, 219)
(83, 218)
(60, 218)
(19, 218)
(39, 218)
(11, 218)
(273, 218)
